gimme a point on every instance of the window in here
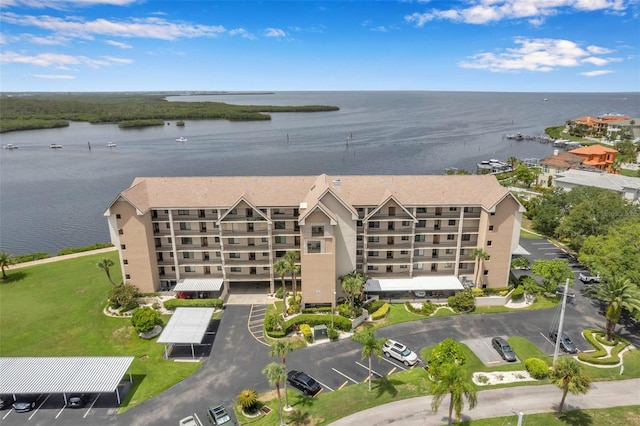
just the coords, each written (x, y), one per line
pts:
(360, 209)
(403, 266)
(493, 213)
(185, 226)
(233, 212)
(280, 253)
(119, 217)
(358, 252)
(204, 242)
(187, 255)
(372, 253)
(392, 211)
(421, 224)
(485, 272)
(236, 269)
(200, 213)
(162, 270)
(466, 237)
(216, 239)
(374, 224)
(419, 238)
(404, 252)
(183, 212)
(406, 223)
(490, 227)
(453, 209)
(125, 261)
(468, 209)
(234, 255)
(189, 269)
(372, 267)
(317, 231)
(405, 238)
(167, 225)
(219, 268)
(374, 239)
(127, 277)
(186, 241)
(489, 243)
(217, 254)
(123, 247)
(249, 212)
(264, 240)
(234, 241)
(448, 266)
(281, 240)
(279, 225)
(314, 247)
(418, 252)
(359, 223)
(452, 222)
(448, 251)
(277, 211)
(451, 237)
(359, 238)
(120, 231)
(421, 210)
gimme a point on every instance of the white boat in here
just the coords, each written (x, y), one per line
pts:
(111, 145)
(9, 146)
(55, 145)
(181, 139)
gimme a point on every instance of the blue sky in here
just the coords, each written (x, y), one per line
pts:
(477, 45)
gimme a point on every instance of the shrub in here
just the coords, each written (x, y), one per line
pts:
(30, 257)
(273, 322)
(339, 322)
(332, 333)
(279, 293)
(145, 319)
(344, 311)
(374, 306)
(426, 309)
(248, 400)
(321, 310)
(124, 297)
(172, 304)
(381, 313)
(305, 329)
(518, 293)
(292, 309)
(82, 249)
(477, 292)
(537, 368)
(451, 301)
(463, 301)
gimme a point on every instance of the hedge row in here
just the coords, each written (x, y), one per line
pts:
(381, 312)
(322, 310)
(83, 249)
(305, 329)
(374, 306)
(339, 322)
(172, 304)
(591, 335)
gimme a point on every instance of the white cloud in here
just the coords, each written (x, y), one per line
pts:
(596, 73)
(64, 4)
(152, 27)
(380, 29)
(274, 32)
(242, 33)
(57, 60)
(538, 55)
(115, 60)
(596, 50)
(486, 11)
(119, 44)
(55, 76)
(51, 40)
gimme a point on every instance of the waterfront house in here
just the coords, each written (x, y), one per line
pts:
(627, 187)
(598, 156)
(558, 162)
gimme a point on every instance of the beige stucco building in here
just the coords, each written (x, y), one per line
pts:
(231, 230)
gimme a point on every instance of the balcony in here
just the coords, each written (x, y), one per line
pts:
(259, 262)
(388, 232)
(383, 245)
(382, 260)
(237, 233)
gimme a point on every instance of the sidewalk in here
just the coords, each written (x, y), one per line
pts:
(498, 403)
(57, 258)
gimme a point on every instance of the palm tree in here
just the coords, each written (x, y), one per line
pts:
(618, 293)
(352, 285)
(291, 257)
(371, 345)
(281, 268)
(480, 256)
(568, 375)
(280, 348)
(105, 264)
(453, 379)
(276, 374)
(6, 260)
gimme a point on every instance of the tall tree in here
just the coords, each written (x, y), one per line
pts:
(554, 272)
(291, 258)
(281, 268)
(105, 264)
(453, 380)
(618, 293)
(352, 284)
(371, 346)
(568, 375)
(280, 348)
(276, 374)
(6, 260)
(480, 256)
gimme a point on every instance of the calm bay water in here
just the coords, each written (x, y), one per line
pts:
(53, 199)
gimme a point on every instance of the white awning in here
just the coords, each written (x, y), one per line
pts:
(446, 282)
(30, 375)
(187, 326)
(520, 251)
(195, 284)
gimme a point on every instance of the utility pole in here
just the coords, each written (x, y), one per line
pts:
(561, 324)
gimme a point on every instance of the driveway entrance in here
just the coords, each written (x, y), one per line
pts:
(249, 293)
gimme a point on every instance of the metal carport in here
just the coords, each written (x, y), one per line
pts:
(36, 375)
(187, 326)
(443, 282)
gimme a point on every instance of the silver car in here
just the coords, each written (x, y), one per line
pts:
(397, 350)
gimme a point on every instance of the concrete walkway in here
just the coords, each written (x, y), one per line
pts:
(498, 403)
(57, 258)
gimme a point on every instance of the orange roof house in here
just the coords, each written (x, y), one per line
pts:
(597, 156)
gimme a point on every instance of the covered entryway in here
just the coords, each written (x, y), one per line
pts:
(434, 288)
(200, 288)
(64, 375)
(187, 327)
(249, 293)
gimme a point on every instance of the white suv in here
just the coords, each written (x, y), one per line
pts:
(397, 350)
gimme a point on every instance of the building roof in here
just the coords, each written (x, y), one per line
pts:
(281, 191)
(430, 283)
(198, 284)
(187, 326)
(562, 160)
(602, 180)
(593, 150)
(32, 375)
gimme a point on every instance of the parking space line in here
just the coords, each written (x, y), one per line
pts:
(60, 412)
(36, 410)
(344, 375)
(394, 364)
(91, 406)
(8, 412)
(372, 370)
(392, 370)
(343, 385)
(324, 385)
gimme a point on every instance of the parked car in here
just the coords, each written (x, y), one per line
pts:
(502, 347)
(190, 421)
(587, 278)
(218, 416)
(420, 293)
(77, 400)
(397, 350)
(6, 401)
(303, 382)
(565, 342)
(25, 403)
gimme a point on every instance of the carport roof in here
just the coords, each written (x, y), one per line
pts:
(446, 282)
(62, 374)
(187, 326)
(193, 284)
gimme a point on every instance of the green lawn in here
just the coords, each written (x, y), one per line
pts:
(56, 309)
(613, 416)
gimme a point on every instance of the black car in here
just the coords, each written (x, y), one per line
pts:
(6, 401)
(77, 400)
(565, 342)
(502, 347)
(303, 382)
(25, 403)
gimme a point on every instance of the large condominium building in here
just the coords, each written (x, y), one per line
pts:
(231, 230)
